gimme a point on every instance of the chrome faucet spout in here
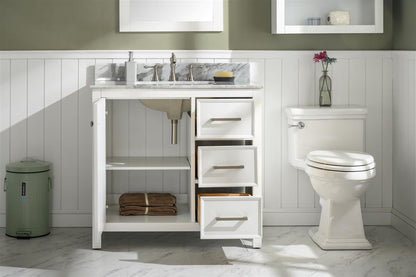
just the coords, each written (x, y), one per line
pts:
(172, 76)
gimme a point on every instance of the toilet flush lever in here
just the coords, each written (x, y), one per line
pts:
(299, 125)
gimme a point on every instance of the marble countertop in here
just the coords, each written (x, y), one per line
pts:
(177, 85)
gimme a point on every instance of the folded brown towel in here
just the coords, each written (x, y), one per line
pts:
(153, 199)
(137, 210)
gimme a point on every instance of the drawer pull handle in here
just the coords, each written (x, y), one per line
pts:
(243, 218)
(226, 119)
(228, 167)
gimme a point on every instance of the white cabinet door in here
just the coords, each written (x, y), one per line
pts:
(230, 217)
(225, 118)
(227, 166)
(99, 176)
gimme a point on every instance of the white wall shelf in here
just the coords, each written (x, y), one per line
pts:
(147, 163)
(290, 16)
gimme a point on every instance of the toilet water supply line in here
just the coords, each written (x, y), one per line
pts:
(299, 125)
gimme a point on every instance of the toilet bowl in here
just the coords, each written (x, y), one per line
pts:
(340, 178)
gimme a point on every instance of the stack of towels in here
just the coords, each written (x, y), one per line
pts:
(147, 204)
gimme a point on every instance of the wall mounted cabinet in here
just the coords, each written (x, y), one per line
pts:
(291, 16)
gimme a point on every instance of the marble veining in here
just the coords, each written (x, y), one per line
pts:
(201, 72)
(286, 251)
(156, 85)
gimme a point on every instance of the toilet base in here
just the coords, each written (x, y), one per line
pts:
(341, 226)
(338, 244)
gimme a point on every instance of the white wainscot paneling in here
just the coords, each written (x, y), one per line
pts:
(53, 127)
(18, 111)
(404, 140)
(4, 126)
(46, 109)
(35, 105)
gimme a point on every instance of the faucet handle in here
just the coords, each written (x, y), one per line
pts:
(155, 71)
(191, 74)
(157, 65)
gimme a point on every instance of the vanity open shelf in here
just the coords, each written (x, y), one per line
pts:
(147, 163)
(180, 222)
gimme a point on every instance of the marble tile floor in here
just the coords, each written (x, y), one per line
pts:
(287, 251)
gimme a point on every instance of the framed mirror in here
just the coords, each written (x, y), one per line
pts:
(171, 15)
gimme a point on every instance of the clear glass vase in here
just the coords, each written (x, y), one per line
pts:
(325, 90)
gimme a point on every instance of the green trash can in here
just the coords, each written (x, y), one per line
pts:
(27, 186)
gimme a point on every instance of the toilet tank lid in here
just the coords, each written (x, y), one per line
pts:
(340, 158)
(316, 112)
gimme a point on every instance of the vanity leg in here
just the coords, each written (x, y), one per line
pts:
(257, 243)
(96, 240)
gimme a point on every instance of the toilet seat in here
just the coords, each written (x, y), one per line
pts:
(343, 161)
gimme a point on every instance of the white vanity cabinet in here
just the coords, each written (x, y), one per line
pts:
(223, 151)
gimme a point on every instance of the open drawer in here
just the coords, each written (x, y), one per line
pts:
(227, 166)
(230, 217)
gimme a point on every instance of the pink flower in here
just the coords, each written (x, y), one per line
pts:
(324, 59)
(320, 57)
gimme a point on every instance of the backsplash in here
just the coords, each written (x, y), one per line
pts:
(115, 72)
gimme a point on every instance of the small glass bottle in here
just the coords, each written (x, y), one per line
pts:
(325, 89)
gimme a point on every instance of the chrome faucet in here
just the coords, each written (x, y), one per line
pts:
(172, 76)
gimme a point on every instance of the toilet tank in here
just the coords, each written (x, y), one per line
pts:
(325, 128)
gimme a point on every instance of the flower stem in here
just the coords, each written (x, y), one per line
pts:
(322, 85)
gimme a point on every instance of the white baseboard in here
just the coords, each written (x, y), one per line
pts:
(404, 225)
(270, 218)
(293, 217)
(63, 219)
(71, 220)
(396, 219)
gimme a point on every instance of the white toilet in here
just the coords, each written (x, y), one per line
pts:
(326, 144)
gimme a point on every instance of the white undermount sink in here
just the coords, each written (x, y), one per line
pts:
(173, 108)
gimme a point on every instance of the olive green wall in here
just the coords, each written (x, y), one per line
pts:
(93, 24)
(404, 25)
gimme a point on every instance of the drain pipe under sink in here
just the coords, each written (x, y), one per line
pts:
(173, 108)
(174, 131)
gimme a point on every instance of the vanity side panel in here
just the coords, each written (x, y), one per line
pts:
(99, 173)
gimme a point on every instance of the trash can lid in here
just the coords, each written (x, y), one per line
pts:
(28, 166)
